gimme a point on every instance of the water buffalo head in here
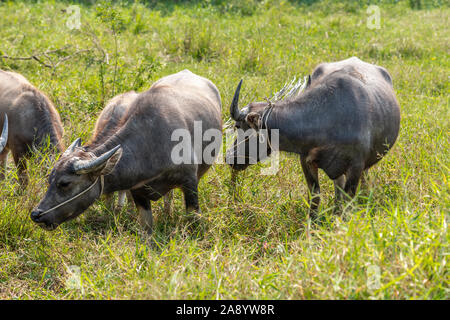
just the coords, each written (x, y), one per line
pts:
(250, 146)
(4, 136)
(75, 182)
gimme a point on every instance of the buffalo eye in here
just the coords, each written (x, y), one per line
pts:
(63, 184)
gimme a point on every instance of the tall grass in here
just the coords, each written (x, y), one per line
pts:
(262, 246)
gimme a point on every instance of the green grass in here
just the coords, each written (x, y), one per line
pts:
(262, 247)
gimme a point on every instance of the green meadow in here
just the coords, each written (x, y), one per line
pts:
(389, 242)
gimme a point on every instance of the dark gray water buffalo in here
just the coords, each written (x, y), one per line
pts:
(32, 120)
(138, 156)
(344, 122)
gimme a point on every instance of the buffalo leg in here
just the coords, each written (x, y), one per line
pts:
(122, 195)
(339, 185)
(3, 163)
(353, 176)
(311, 173)
(190, 190)
(129, 197)
(121, 200)
(145, 210)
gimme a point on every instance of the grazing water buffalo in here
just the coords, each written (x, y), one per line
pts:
(344, 122)
(32, 120)
(136, 157)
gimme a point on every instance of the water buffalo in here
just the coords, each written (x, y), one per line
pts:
(344, 122)
(138, 156)
(32, 121)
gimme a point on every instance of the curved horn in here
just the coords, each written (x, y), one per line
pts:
(4, 136)
(234, 108)
(87, 166)
(71, 148)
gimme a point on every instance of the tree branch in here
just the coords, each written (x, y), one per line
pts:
(52, 64)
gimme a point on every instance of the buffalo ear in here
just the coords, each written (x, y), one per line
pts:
(253, 119)
(72, 147)
(309, 81)
(111, 163)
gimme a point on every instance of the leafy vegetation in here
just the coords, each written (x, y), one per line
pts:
(262, 246)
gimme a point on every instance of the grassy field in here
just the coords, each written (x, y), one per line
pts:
(390, 242)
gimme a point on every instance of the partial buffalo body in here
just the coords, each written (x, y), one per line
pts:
(137, 156)
(32, 120)
(344, 122)
(108, 122)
